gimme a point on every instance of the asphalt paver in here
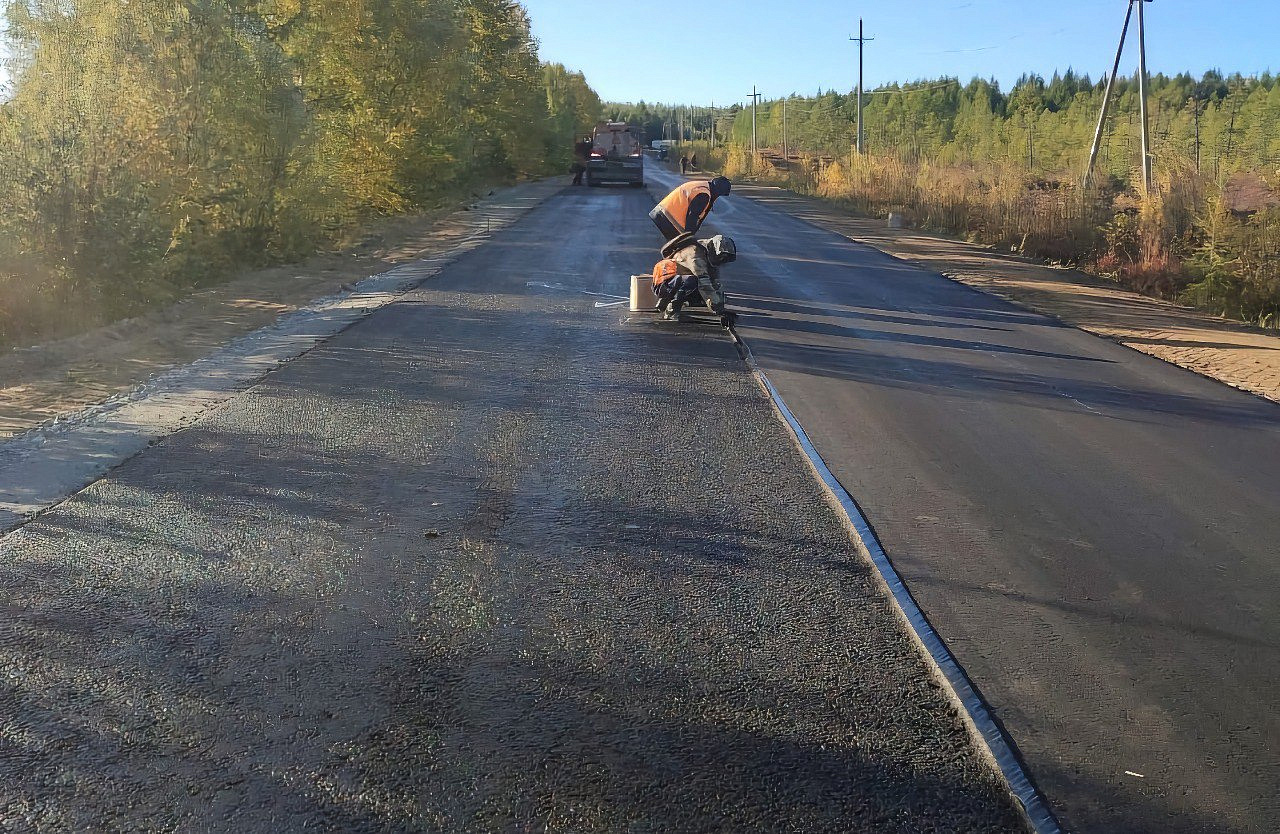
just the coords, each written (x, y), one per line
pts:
(497, 558)
(1092, 531)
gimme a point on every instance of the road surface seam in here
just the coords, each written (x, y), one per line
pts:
(990, 737)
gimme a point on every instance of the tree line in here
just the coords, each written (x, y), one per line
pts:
(671, 121)
(1006, 169)
(151, 145)
(1225, 124)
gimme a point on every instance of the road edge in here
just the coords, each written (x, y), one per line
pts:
(987, 733)
(94, 441)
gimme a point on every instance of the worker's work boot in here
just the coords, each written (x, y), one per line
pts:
(673, 314)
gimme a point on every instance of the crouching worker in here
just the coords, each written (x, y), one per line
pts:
(689, 273)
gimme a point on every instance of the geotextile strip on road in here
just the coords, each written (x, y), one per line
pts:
(492, 559)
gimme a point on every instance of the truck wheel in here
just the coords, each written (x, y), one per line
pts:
(592, 182)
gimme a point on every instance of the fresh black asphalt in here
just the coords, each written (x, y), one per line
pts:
(1095, 533)
(495, 559)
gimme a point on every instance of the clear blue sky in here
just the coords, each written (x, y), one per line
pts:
(722, 47)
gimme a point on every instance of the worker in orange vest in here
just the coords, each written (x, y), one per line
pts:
(684, 209)
(690, 270)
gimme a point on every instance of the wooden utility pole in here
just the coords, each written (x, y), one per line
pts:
(755, 96)
(1197, 101)
(784, 130)
(861, 42)
(1142, 92)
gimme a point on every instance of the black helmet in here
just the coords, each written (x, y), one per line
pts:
(720, 187)
(720, 250)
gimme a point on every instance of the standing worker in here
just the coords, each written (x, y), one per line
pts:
(684, 165)
(684, 209)
(581, 153)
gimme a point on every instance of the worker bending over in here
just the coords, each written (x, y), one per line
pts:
(684, 209)
(690, 271)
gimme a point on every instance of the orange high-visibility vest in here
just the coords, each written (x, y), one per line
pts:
(675, 206)
(665, 269)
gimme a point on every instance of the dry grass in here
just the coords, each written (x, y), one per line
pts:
(1180, 243)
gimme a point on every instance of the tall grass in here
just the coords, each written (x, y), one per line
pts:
(1181, 243)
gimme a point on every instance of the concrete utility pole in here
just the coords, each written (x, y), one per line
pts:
(755, 96)
(1142, 92)
(861, 42)
(1106, 101)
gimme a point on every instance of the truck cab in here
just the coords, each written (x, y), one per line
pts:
(617, 155)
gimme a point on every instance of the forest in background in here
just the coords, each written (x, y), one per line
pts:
(1007, 168)
(149, 147)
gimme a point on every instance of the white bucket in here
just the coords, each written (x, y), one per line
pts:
(642, 298)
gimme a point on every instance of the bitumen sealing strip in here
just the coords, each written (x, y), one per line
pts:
(982, 724)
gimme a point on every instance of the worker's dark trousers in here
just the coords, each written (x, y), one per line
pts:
(678, 288)
(664, 224)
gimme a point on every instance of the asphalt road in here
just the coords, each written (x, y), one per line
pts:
(1095, 534)
(495, 559)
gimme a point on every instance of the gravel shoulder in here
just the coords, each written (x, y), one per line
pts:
(494, 559)
(48, 381)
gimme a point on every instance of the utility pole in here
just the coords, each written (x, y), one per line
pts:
(1142, 92)
(784, 131)
(1197, 101)
(1106, 99)
(755, 96)
(861, 42)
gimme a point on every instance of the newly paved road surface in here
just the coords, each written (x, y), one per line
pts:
(1095, 533)
(495, 559)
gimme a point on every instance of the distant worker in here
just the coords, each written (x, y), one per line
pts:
(581, 153)
(689, 272)
(685, 208)
(684, 165)
(693, 162)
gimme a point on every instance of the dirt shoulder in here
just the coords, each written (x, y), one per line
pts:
(43, 382)
(1242, 357)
